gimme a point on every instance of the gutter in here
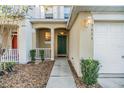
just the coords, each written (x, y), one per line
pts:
(73, 16)
(70, 16)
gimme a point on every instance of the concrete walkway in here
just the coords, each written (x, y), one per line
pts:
(61, 76)
(111, 82)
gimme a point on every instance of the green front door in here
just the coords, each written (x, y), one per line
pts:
(62, 44)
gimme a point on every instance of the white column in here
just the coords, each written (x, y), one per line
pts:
(22, 43)
(55, 11)
(42, 12)
(61, 12)
(37, 11)
(52, 44)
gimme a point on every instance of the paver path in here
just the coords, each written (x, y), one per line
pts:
(61, 75)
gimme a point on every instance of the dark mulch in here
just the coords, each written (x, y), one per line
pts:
(78, 81)
(27, 76)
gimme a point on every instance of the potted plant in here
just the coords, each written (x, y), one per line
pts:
(42, 55)
(32, 55)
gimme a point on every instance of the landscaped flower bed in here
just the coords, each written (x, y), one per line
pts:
(78, 80)
(27, 76)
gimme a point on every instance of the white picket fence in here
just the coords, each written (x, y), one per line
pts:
(47, 53)
(10, 55)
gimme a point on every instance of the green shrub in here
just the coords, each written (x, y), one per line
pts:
(89, 70)
(32, 54)
(7, 66)
(42, 54)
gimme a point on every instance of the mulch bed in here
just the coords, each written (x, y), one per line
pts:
(27, 76)
(78, 81)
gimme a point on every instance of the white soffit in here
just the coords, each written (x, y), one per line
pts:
(94, 9)
(100, 8)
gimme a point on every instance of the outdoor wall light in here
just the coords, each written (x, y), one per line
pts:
(47, 36)
(89, 21)
(61, 33)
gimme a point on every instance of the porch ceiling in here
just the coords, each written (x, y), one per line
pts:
(100, 8)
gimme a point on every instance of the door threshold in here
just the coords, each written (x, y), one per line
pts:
(61, 55)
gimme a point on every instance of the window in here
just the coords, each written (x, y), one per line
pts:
(47, 37)
(48, 12)
(66, 12)
(66, 16)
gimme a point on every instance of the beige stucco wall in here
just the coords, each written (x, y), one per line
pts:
(49, 24)
(40, 39)
(55, 26)
(80, 42)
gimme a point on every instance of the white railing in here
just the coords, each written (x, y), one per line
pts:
(10, 55)
(47, 53)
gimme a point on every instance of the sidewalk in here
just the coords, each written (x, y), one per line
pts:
(61, 75)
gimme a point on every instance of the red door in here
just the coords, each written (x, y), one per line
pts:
(14, 42)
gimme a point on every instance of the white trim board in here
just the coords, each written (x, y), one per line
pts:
(108, 16)
(111, 75)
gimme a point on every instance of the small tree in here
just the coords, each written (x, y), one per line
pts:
(11, 17)
(89, 69)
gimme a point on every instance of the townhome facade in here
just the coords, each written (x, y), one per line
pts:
(75, 32)
(42, 30)
(50, 29)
